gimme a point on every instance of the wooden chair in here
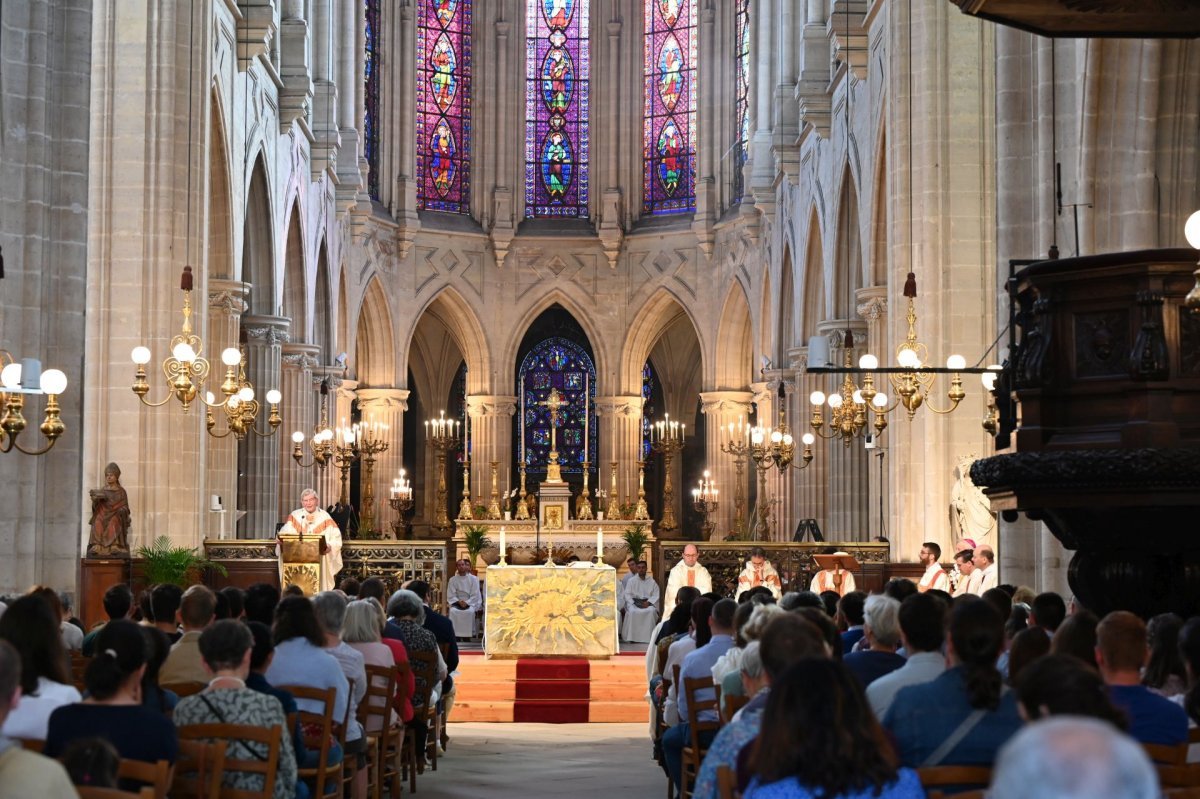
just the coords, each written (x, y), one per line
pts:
(935, 779)
(375, 716)
(86, 792)
(1194, 735)
(326, 775)
(1164, 755)
(79, 665)
(733, 703)
(156, 776)
(398, 751)
(198, 770)
(237, 736)
(424, 667)
(182, 689)
(1182, 793)
(693, 753)
(727, 783)
(32, 744)
(664, 648)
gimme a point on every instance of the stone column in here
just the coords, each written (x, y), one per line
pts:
(384, 406)
(620, 441)
(848, 497)
(341, 409)
(765, 403)
(326, 481)
(722, 409)
(491, 440)
(299, 414)
(226, 304)
(811, 486)
(872, 307)
(258, 458)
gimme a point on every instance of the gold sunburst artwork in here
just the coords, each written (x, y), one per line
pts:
(304, 577)
(551, 611)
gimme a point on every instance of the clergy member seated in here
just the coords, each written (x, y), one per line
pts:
(22, 772)
(759, 572)
(837, 580)
(640, 603)
(687, 572)
(462, 593)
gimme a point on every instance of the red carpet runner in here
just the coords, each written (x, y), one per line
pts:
(552, 691)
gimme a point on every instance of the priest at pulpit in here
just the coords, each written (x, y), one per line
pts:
(311, 521)
(465, 600)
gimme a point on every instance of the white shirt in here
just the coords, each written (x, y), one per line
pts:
(975, 581)
(964, 583)
(32, 714)
(921, 667)
(72, 636)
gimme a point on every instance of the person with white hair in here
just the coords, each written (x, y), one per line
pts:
(311, 520)
(881, 630)
(1072, 757)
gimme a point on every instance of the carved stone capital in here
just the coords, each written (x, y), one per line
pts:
(479, 405)
(268, 331)
(383, 399)
(731, 403)
(873, 309)
(629, 407)
(300, 356)
(227, 296)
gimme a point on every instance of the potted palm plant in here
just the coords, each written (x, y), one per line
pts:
(636, 540)
(164, 563)
(475, 540)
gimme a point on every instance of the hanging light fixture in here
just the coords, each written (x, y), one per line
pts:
(321, 442)
(1191, 230)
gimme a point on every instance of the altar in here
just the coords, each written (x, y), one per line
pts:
(548, 611)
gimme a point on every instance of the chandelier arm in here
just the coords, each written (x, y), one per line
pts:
(941, 411)
(254, 429)
(12, 444)
(164, 401)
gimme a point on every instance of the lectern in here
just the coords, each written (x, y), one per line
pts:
(300, 561)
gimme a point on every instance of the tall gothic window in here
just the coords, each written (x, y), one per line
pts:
(741, 94)
(562, 364)
(647, 408)
(444, 105)
(669, 116)
(556, 108)
(371, 91)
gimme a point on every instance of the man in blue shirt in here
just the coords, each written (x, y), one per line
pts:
(699, 664)
(1121, 652)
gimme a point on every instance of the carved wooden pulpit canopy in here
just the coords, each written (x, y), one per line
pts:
(1139, 19)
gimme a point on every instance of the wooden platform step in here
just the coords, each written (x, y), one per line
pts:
(486, 690)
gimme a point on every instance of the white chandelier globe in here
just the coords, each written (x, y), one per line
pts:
(908, 359)
(817, 398)
(246, 394)
(835, 401)
(273, 396)
(868, 361)
(989, 380)
(858, 397)
(776, 437)
(10, 376)
(230, 356)
(183, 352)
(808, 439)
(209, 398)
(140, 355)
(233, 402)
(880, 400)
(956, 362)
(54, 381)
(297, 437)
(788, 440)
(1191, 230)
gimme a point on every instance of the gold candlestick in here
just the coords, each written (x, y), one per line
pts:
(738, 447)
(522, 507)
(613, 511)
(371, 442)
(344, 456)
(668, 446)
(442, 435)
(583, 505)
(402, 505)
(641, 512)
(704, 501)
(464, 508)
(554, 402)
(494, 508)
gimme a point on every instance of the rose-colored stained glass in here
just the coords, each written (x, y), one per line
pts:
(669, 116)
(444, 105)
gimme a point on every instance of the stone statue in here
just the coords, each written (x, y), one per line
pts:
(970, 511)
(110, 517)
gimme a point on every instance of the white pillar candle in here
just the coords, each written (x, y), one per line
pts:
(503, 548)
(599, 546)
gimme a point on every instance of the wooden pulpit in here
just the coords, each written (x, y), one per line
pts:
(300, 561)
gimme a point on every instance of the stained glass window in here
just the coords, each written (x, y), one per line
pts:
(741, 94)
(562, 364)
(669, 116)
(444, 105)
(371, 91)
(647, 408)
(556, 108)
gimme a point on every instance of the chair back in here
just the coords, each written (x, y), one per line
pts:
(79, 665)
(87, 792)
(695, 706)
(424, 668)
(156, 776)
(401, 672)
(664, 648)
(320, 730)
(1165, 755)
(182, 689)
(733, 703)
(240, 739)
(32, 744)
(935, 779)
(198, 769)
(727, 783)
(375, 710)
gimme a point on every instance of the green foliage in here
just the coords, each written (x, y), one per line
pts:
(163, 563)
(635, 539)
(475, 540)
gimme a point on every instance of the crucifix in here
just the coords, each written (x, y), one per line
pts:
(553, 402)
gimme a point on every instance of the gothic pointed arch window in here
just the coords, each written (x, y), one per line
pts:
(371, 94)
(649, 384)
(444, 105)
(669, 116)
(741, 96)
(558, 363)
(557, 72)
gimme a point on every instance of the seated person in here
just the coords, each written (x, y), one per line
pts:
(31, 627)
(185, 664)
(118, 602)
(759, 572)
(1122, 650)
(22, 772)
(640, 604)
(839, 581)
(462, 594)
(226, 649)
(261, 655)
(361, 632)
(881, 629)
(113, 709)
(404, 693)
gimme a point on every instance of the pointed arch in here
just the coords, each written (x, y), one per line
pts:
(660, 313)
(343, 315)
(258, 248)
(848, 274)
(451, 310)
(785, 321)
(600, 348)
(813, 299)
(295, 294)
(375, 345)
(322, 315)
(220, 216)
(734, 365)
(877, 269)
(767, 343)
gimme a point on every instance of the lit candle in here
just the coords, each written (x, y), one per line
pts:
(503, 548)
(599, 546)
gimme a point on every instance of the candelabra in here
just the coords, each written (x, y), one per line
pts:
(442, 435)
(774, 448)
(372, 441)
(583, 505)
(401, 501)
(26, 377)
(464, 507)
(321, 443)
(345, 453)
(705, 502)
(666, 437)
(613, 511)
(494, 506)
(737, 444)
(522, 512)
(640, 512)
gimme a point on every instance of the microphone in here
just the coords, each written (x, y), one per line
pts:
(303, 523)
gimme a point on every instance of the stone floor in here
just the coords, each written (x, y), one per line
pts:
(531, 761)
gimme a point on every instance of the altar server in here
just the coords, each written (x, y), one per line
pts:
(686, 572)
(640, 603)
(759, 571)
(310, 520)
(465, 600)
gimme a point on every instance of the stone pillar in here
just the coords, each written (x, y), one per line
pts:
(384, 406)
(848, 498)
(620, 441)
(226, 304)
(299, 413)
(258, 458)
(872, 307)
(722, 409)
(811, 486)
(765, 403)
(326, 481)
(340, 411)
(491, 440)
